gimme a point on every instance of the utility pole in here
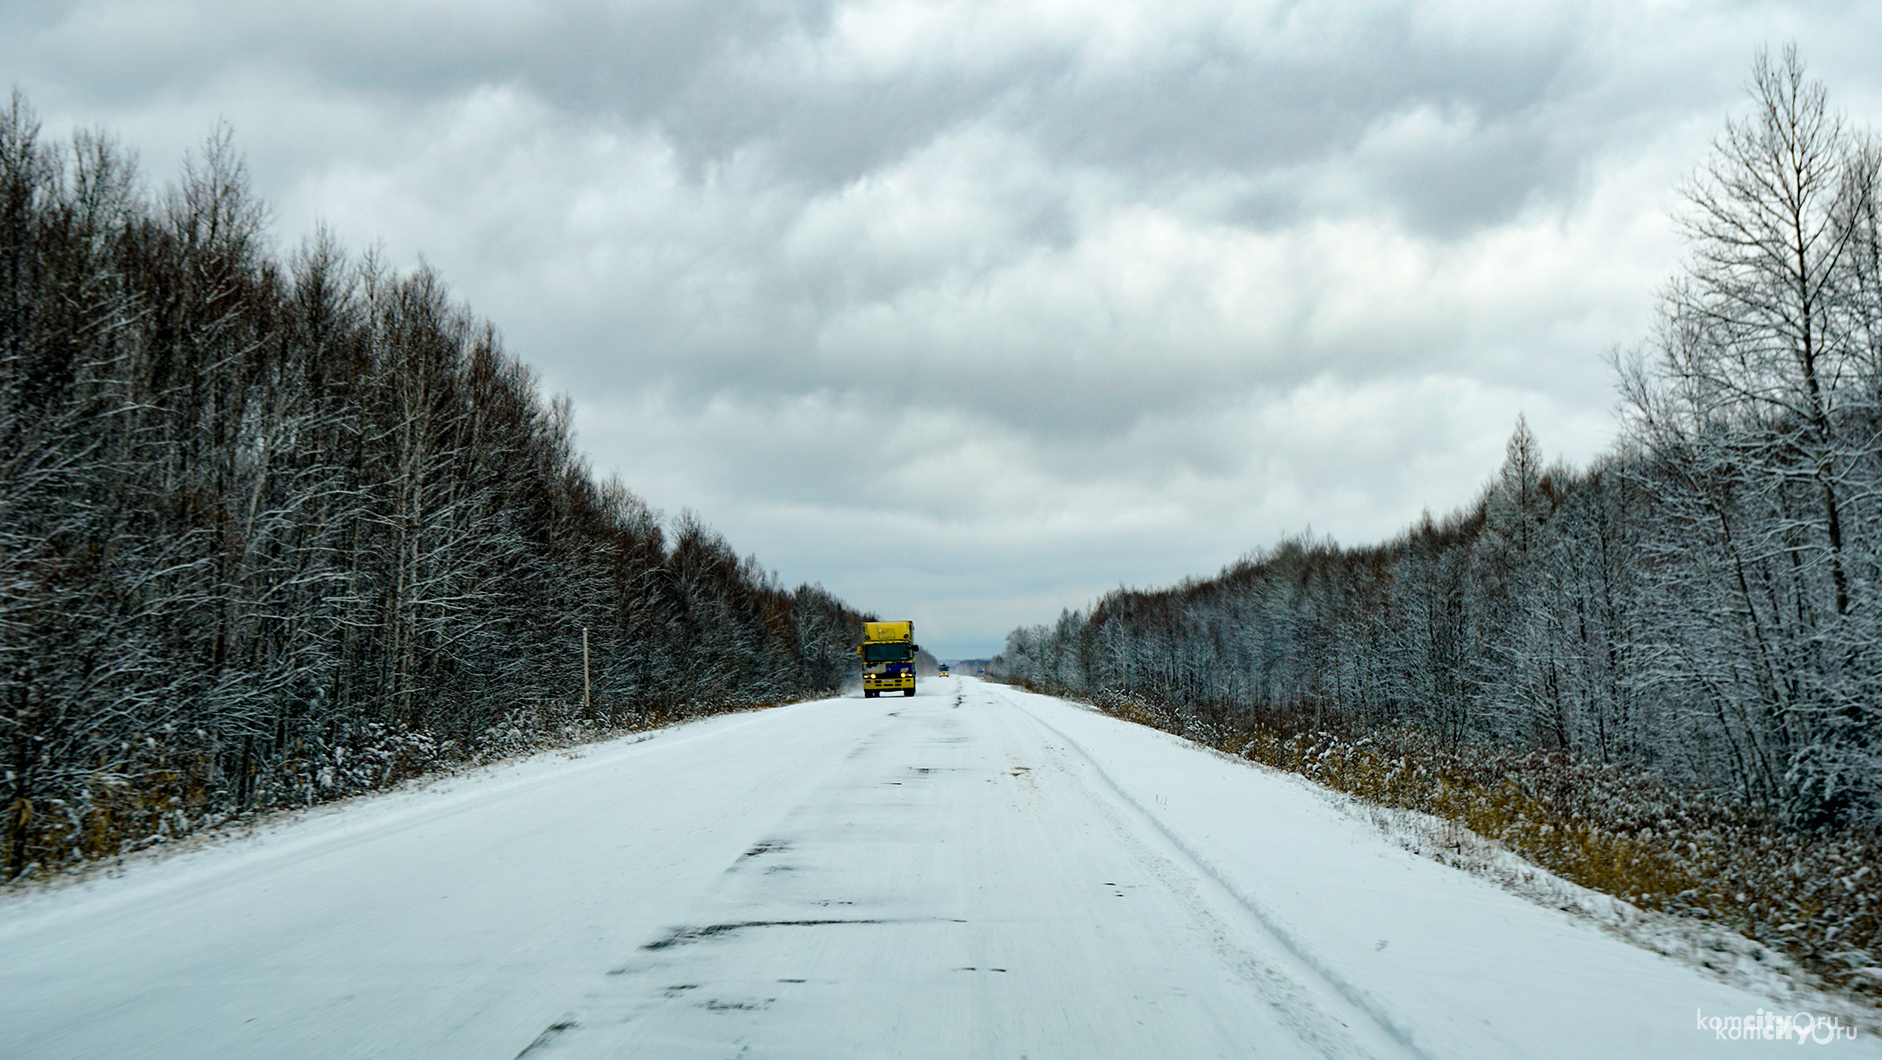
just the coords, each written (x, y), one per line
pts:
(584, 669)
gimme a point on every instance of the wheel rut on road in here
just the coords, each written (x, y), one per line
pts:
(1282, 965)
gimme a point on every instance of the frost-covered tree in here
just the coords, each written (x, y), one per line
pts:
(272, 531)
(1701, 601)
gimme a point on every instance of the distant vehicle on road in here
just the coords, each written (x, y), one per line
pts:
(888, 652)
(944, 669)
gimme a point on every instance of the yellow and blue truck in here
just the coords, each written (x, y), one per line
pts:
(888, 652)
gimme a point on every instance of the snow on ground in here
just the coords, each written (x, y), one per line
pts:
(973, 872)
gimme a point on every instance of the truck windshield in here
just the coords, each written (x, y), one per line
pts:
(876, 653)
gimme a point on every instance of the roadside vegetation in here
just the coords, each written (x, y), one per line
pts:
(276, 530)
(1809, 895)
(1661, 676)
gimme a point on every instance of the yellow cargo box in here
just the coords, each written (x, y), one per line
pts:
(888, 631)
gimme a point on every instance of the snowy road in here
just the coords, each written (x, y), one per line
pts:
(974, 872)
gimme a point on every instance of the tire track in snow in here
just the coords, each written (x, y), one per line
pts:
(1203, 869)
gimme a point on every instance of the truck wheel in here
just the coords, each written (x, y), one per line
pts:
(869, 693)
(908, 691)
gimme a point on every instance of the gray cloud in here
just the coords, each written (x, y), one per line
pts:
(1120, 291)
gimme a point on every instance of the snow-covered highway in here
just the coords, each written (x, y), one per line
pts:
(974, 872)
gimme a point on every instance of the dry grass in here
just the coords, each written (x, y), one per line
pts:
(153, 792)
(1810, 895)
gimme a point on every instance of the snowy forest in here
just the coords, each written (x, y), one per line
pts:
(279, 528)
(1701, 602)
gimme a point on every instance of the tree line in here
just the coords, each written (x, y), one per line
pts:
(1702, 601)
(276, 528)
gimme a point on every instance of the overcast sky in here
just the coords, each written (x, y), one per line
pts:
(972, 311)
